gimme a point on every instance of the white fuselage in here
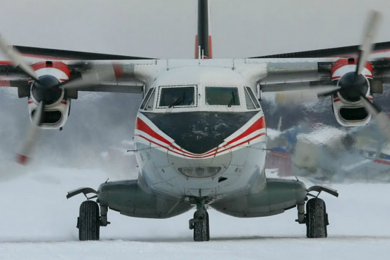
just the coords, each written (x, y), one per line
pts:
(201, 147)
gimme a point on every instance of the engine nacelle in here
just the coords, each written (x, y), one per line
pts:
(55, 116)
(350, 111)
(57, 106)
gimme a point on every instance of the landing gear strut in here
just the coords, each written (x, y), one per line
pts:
(200, 223)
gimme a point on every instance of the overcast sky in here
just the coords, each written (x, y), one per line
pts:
(166, 29)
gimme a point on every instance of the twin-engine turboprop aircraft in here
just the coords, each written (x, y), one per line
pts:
(200, 133)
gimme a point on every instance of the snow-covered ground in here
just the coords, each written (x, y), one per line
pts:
(38, 222)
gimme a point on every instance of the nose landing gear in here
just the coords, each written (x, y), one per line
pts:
(200, 223)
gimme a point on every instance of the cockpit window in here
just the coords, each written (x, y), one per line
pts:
(251, 101)
(177, 96)
(222, 96)
(146, 104)
(150, 103)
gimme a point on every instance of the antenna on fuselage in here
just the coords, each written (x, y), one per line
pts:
(203, 43)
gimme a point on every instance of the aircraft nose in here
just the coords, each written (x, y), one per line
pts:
(199, 132)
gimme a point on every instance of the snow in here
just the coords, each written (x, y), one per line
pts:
(38, 222)
(272, 133)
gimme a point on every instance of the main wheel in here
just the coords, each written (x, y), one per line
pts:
(89, 221)
(316, 219)
(201, 226)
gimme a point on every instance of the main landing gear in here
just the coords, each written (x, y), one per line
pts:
(90, 221)
(200, 223)
(90, 217)
(316, 217)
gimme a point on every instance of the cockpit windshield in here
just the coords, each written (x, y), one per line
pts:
(173, 96)
(225, 96)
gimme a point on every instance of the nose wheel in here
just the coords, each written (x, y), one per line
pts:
(200, 224)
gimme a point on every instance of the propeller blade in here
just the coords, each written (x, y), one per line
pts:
(304, 95)
(96, 76)
(368, 39)
(17, 59)
(328, 93)
(381, 119)
(32, 134)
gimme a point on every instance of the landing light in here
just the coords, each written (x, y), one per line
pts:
(199, 172)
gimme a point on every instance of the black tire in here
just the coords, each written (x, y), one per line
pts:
(316, 219)
(89, 221)
(201, 226)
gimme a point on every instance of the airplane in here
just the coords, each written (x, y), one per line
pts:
(200, 134)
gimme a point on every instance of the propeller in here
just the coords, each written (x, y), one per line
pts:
(45, 91)
(288, 98)
(381, 119)
(353, 84)
(369, 35)
(32, 135)
(16, 59)
(95, 76)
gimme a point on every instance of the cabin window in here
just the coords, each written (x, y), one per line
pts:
(222, 96)
(177, 96)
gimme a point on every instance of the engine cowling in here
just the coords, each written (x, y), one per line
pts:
(348, 108)
(57, 105)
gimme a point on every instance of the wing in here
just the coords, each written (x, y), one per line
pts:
(110, 76)
(115, 75)
(346, 51)
(297, 75)
(45, 53)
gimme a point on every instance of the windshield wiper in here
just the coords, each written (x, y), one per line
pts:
(233, 100)
(178, 101)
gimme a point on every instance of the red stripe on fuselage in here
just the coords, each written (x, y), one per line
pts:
(142, 126)
(203, 155)
(259, 124)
